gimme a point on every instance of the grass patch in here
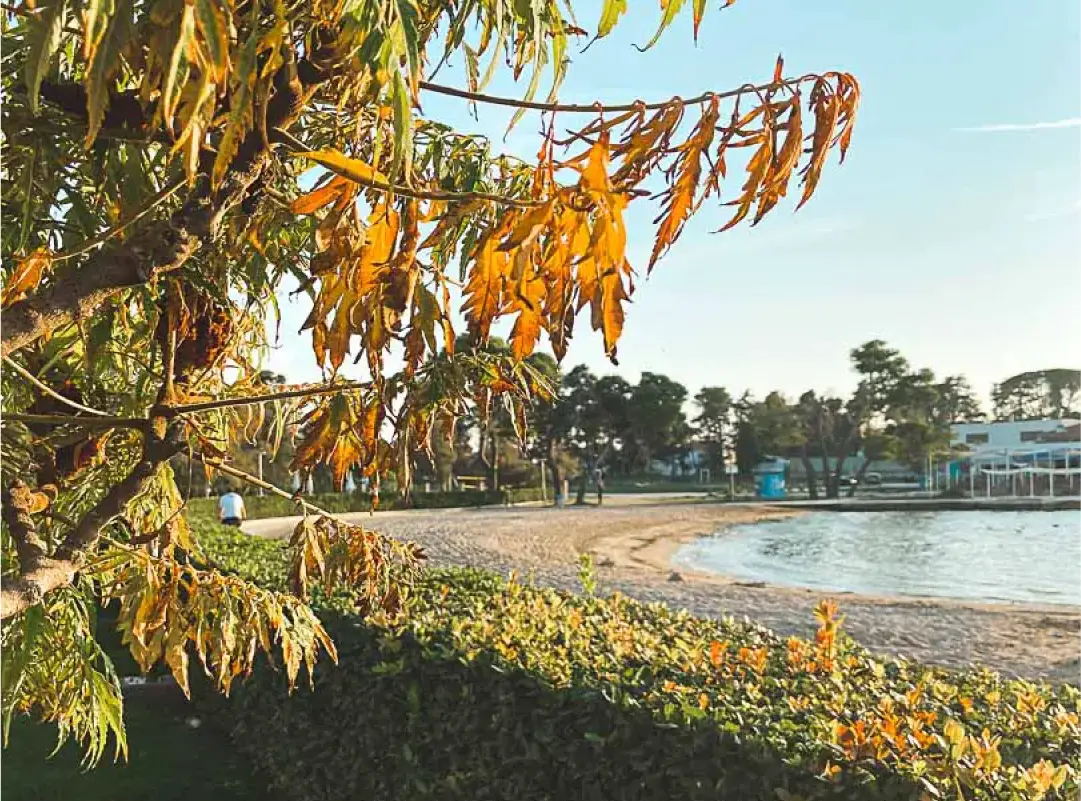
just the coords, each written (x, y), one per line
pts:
(168, 761)
(259, 507)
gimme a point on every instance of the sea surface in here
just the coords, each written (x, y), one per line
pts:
(1031, 557)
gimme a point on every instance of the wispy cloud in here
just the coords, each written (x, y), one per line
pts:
(1052, 214)
(1072, 122)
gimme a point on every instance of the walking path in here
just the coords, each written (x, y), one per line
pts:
(632, 540)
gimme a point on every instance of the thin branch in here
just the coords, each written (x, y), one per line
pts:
(597, 107)
(105, 236)
(251, 400)
(18, 368)
(108, 421)
(298, 147)
(258, 482)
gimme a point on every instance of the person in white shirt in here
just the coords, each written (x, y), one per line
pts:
(231, 509)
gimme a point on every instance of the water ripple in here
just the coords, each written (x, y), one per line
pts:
(980, 555)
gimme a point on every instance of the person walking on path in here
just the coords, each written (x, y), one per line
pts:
(231, 509)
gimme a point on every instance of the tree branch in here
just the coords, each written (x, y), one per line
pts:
(296, 146)
(105, 236)
(258, 482)
(105, 421)
(40, 574)
(17, 501)
(251, 400)
(41, 385)
(594, 108)
(76, 293)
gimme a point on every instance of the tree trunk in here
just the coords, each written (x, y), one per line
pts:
(859, 477)
(488, 452)
(833, 490)
(554, 469)
(812, 477)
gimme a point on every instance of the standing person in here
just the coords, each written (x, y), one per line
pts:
(231, 509)
(598, 477)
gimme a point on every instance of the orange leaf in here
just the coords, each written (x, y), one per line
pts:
(529, 227)
(608, 314)
(26, 276)
(527, 327)
(715, 653)
(318, 198)
(484, 289)
(595, 173)
(679, 198)
(827, 110)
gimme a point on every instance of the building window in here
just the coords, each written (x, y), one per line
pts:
(976, 439)
(1032, 436)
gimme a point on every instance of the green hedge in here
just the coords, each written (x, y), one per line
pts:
(490, 690)
(340, 502)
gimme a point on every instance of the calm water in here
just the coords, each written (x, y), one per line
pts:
(992, 556)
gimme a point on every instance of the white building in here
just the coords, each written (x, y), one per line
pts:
(1010, 457)
(1017, 436)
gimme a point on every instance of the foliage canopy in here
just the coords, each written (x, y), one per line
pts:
(153, 204)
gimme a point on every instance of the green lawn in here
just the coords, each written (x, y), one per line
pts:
(168, 761)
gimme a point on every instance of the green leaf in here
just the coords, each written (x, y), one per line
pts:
(407, 13)
(104, 66)
(472, 68)
(215, 29)
(613, 10)
(170, 87)
(403, 127)
(240, 110)
(671, 11)
(699, 12)
(43, 37)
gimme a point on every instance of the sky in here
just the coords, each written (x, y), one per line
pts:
(952, 230)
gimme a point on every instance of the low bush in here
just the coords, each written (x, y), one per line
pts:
(489, 689)
(259, 507)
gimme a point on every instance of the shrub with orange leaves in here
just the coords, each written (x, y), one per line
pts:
(510, 679)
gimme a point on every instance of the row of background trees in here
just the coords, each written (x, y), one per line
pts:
(896, 412)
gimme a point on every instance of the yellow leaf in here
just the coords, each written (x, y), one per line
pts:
(953, 732)
(176, 656)
(352, 169)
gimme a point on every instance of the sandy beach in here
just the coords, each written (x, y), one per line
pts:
(632, 542)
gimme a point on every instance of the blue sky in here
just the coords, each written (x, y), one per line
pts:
(952, 231)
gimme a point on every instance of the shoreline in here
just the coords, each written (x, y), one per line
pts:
(654, 552)
(632, 545)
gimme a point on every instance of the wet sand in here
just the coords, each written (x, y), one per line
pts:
(632, 543)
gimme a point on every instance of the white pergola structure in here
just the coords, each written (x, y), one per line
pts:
(1021, 469)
